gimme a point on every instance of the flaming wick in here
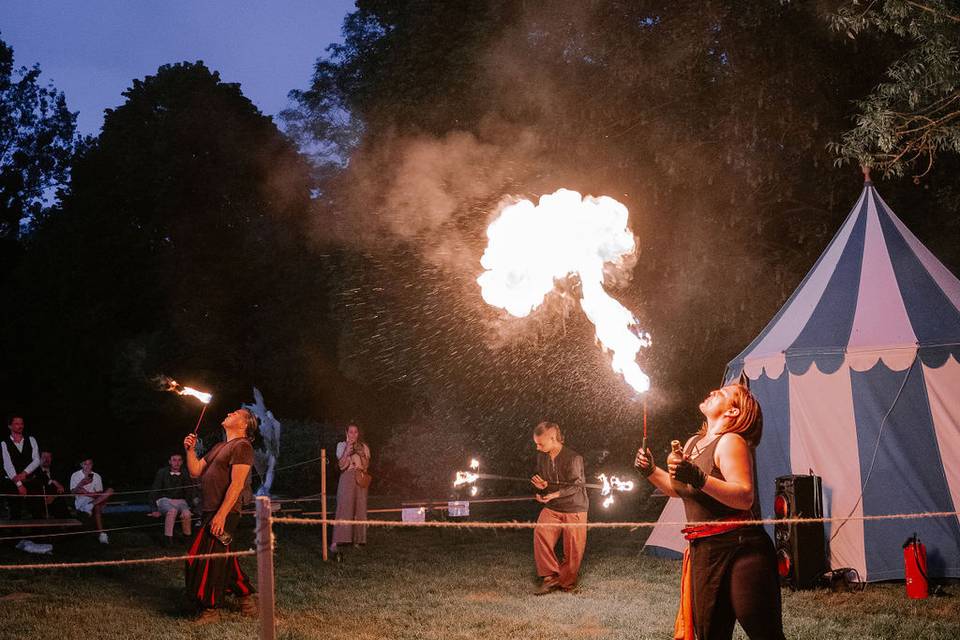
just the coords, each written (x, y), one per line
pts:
(469, 477)
(611, 484)
(179, 389)
(205, 398)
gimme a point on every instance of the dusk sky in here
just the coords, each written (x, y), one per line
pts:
(92, 50)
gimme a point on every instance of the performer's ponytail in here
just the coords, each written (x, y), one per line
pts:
(252, 431)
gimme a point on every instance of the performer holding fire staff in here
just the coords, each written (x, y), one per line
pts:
(560, 481)
(224, 474)
(729, 570)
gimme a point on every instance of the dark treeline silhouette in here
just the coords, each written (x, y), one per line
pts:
(334, 266)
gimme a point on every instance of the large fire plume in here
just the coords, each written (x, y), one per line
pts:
(530, 247)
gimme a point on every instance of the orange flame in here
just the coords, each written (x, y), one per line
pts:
(469, 477)
(176, 387)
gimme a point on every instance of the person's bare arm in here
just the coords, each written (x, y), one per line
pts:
(343, 460)
(238, 479)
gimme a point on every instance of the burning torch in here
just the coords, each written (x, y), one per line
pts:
(172, 385)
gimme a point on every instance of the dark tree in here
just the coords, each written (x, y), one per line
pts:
(709, 120)
(914, 114)
(178, 251)
(37, 139)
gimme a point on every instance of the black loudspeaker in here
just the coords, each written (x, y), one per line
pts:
(801, 548)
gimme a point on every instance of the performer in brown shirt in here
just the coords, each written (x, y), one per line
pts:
(224, 474)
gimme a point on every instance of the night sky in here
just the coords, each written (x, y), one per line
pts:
(92, 50)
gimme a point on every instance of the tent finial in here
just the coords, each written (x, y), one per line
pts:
(866, 174)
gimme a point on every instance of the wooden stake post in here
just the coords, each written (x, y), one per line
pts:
(323, 501)
(265, 568)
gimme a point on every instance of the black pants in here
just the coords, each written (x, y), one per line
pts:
(20, 506)
(734, 579)
(209, 579)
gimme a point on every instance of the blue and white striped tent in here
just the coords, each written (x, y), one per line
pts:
(858, 376)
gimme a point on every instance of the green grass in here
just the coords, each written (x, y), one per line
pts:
(421, 584)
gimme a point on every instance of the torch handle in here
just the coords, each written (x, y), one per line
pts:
(200, 419)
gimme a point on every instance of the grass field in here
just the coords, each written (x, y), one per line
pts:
(421, 584)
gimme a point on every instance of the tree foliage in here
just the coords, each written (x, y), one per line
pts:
(178, 251)
(37, 140)
(914, 114)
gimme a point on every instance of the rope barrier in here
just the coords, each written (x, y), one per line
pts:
(605, 525)
(108, 563)
(80, 532)
(298, 464)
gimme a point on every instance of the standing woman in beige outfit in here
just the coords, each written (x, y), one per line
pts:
(352, 455)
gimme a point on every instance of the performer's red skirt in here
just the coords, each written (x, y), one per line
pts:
(209, 579)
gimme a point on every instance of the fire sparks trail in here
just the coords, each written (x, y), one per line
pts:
(611, 484)
(531, 246)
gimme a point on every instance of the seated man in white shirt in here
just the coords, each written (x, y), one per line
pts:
(91, 496)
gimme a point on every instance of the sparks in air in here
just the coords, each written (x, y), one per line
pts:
(611, 484)
(530, 247)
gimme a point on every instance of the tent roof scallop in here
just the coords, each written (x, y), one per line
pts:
(876, 293)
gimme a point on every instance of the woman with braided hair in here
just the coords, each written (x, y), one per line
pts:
(729, 569)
